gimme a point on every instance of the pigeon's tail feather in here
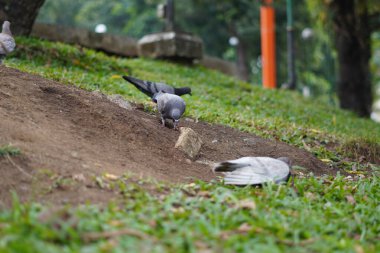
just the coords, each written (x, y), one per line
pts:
(228, 166)
(182, 91)
(139, 84)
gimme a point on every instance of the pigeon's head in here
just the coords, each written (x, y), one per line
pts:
(285, 160)
(182, 91)
(7, 28)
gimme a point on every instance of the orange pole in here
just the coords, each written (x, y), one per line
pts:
(268, 49)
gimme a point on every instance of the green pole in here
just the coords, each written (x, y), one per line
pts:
(290, 47)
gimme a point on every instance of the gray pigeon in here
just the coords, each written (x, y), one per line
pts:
(254, 170)
(169, 106)
(151, 88)
(7, 42)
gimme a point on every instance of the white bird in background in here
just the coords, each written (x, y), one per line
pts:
(254, 170)
(7, 42)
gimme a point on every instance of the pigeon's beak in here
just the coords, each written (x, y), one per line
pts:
(176, 121)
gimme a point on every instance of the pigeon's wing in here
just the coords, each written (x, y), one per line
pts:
(239, 177)
(7, 43)
(162, 104)
(149, 88)
(249, 177)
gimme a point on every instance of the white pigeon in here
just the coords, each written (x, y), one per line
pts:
(169, 106)
(254, 170)
(7, 42)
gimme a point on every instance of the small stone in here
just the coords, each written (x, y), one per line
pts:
(214, 141)
(189, 142)
(205, 162)
(250, 141)
(79, 177)
(246, 204)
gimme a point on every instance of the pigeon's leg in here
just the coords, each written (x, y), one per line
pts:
(162, 121)
(175, 123)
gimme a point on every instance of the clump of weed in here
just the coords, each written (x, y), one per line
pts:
(9, 150)
(363, 150)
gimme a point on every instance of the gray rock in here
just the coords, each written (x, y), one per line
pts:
(170, 45)
(120, 45)
(189, 142)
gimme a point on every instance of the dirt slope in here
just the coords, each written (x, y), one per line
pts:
(64, 132)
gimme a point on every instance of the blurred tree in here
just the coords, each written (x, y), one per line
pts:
(353, 24)
(60, 12)
(132, 17)
(218, 20)
(21, 13)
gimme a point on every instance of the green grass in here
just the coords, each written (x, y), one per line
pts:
(9, 150)
(310, 215)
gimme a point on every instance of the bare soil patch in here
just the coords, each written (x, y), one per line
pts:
(67, 133)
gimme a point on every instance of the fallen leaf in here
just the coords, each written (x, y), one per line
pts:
(351, 199)
(99, 182)
(359, 249)
(95, 236)
(310, 195)
(116, 223)
(244, 228)
(79, 177)
(246, 204)
(205, 194)
(110, 176)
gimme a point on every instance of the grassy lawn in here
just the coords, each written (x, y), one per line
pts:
(311, 215)
(307, 215)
